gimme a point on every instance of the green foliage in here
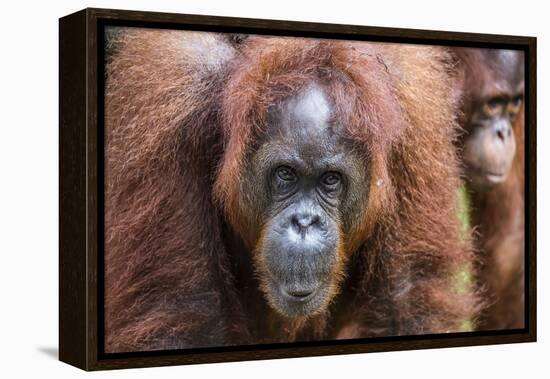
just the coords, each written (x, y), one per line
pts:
(464, 212)
(462, 279)
(467, 326)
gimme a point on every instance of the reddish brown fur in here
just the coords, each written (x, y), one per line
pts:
(163, 251)
(183, 111)
(497, 215)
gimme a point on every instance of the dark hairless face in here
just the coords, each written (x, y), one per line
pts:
(490, 147)
(312, 184)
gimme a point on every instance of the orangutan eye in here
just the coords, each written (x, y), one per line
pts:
(515, 104)
(516, 101)
(285, 173)
(331, 179)
(493, 107)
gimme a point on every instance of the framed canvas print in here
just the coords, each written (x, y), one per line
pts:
(237, 189)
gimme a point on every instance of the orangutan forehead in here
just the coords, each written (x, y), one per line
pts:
(308, 111)
(301, 129)
(508, 66)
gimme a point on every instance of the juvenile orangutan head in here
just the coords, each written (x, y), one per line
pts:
(494, 88)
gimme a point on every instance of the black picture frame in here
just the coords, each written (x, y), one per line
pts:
(81, 82)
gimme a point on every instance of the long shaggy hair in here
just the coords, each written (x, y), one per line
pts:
(183, 113)
(499, 219)
(497, 215)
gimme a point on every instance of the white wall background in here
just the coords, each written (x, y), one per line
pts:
(29, 186)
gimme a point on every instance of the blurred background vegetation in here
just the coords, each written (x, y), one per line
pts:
(463, 278)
